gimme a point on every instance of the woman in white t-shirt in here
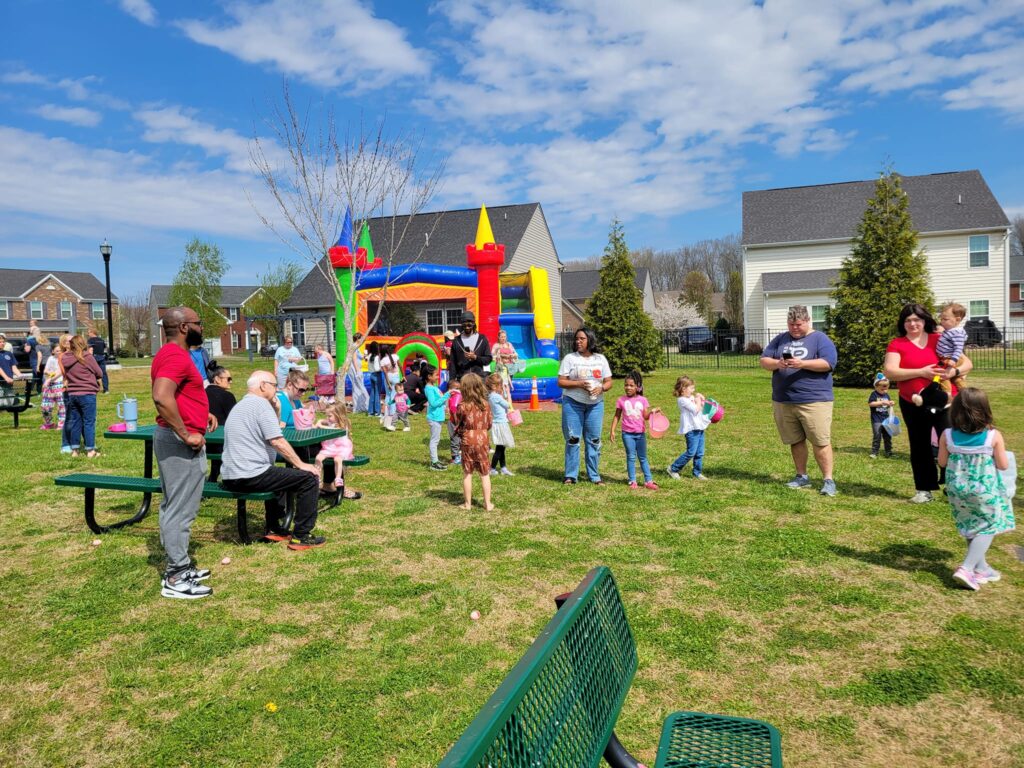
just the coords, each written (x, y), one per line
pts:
(584, 377)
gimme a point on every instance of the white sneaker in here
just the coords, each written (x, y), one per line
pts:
(183, 587)
(672, 473)
(389, 428)
(404, 429)
(507, 471)
(921, 497)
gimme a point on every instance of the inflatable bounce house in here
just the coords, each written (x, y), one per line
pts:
(517, 303)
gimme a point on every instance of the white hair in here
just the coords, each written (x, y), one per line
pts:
(257, 378)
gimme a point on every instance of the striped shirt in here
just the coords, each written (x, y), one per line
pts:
(251, 424)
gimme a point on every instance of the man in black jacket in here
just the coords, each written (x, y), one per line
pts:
(471, 351)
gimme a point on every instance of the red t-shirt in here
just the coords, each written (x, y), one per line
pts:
(174, 363)
(913, 356)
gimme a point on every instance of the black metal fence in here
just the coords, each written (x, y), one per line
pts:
(702, 349)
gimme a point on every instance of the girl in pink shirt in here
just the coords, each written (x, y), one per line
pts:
(633, 411)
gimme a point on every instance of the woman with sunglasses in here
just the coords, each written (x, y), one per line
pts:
(295, 386)
(221, 402)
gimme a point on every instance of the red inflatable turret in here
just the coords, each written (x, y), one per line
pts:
(486, 258)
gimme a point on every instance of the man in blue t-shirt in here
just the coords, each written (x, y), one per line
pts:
(801, 362)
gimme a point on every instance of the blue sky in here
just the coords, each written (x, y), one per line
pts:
(130, 119)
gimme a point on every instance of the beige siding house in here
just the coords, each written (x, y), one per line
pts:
(580, 284)
(795, 239)
(433, 238)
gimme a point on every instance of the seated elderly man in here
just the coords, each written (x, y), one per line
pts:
(252, 440)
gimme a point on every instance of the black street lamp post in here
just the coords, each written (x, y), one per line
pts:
(105, 249)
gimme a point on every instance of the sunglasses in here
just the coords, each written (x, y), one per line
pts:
(302, 390)
(230, 379)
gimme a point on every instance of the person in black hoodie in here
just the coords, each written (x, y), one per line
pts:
(471, 351)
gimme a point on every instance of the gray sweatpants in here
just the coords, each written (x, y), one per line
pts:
(435, 439)
(182, 474)
(454, 441)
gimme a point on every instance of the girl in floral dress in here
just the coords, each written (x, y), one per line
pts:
(472, 422)
(973, 453)
(53, 387)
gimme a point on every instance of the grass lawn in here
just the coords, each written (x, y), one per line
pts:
(834, 619)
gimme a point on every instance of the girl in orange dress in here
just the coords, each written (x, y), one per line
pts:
(472, 423)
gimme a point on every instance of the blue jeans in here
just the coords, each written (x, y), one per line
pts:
(376, 379)
(694, 450)
(82, 416)
(582, 421)
(636, 449)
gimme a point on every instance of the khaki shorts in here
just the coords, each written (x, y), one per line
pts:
(797, 422)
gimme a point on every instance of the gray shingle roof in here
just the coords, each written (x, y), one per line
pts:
(15, 282)
(581, 284)
(1017, 268)
(449, 232)
(939, 202)
(807, 280)
(230, 295)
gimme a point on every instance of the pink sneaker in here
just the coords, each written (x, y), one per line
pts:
(966, 578)
(651, 486)
(633, 486)
(987, 577)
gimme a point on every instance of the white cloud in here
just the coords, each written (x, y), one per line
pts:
(140, 10)
(173, 125)
(80, 188)
(76, 89)
(326, 42)
(74, 115)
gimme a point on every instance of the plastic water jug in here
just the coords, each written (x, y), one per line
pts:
(128, 412)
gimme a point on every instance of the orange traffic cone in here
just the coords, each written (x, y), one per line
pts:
(534, 399)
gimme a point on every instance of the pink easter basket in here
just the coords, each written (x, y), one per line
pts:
(303, 418)
(515, 418)
(659, 425)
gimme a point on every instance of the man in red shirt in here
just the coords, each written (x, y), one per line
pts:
(179, 442)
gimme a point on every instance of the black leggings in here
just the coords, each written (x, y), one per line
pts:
(499, 457)
(919, 422)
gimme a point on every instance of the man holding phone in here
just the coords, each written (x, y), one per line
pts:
(801, 361)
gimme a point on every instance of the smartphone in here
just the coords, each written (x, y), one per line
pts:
(787, 355)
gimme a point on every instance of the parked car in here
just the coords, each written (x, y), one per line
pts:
(696, 338)
(268, 350)
(983, 333)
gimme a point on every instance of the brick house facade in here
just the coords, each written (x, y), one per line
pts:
(57, 301)
(232, 339)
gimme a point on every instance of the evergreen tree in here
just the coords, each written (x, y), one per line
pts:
(616, 312)
(884, 271)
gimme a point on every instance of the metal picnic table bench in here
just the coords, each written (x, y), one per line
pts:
(14, 402)
(559, 704)
(147, 485)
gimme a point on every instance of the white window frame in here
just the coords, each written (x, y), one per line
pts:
(970, 309)
(32, 307)
(236, 343)
(971, 252)
(233, 314)
(435, 329)
(5, 310)
(819, 325)
(61, 312)
(101, 315)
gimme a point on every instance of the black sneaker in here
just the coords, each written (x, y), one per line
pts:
(276, 536)
(439, 466)
(183, 587)
(306, 542)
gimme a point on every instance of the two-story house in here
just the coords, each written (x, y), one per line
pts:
(55, 301)
(795, 240)
(233, 339)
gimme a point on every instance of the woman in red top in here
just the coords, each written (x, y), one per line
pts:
(911, 361)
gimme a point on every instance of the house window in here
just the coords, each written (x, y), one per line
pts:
(818, 316)
(36, 310)
(98, 312)
(979, 250)
(979, 309)
(5, 313)
(334, 331)
(235, 341)
(299, 332)
(233, 314)
(435, 321)
(454, 318)
(65, 310)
